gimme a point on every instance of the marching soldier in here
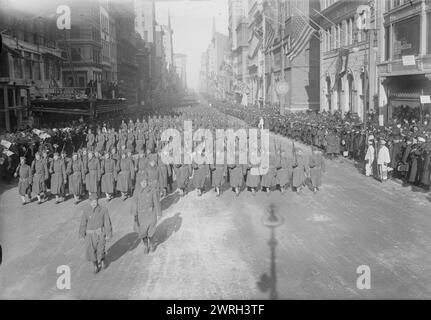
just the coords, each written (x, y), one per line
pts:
(76, 173)
(58, 177)
(145, 208)
(92, 177)
(40, 174)
(23, 171)
(109, 176)
(317, 166)
(95, 229)
(126, 170)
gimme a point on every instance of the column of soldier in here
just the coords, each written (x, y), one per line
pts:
(400, 149)
(113, 162)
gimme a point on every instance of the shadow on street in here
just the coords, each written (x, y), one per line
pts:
(166, 228)
(128, 242)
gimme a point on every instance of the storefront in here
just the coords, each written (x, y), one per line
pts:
(404, 94)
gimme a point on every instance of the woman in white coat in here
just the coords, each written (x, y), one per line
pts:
(369, 159)
(383, 159)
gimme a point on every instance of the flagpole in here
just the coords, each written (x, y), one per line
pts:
(283, 58)
(264, 54)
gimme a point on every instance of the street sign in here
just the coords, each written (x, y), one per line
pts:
(409, 60)
(282, 87)
(425, 99)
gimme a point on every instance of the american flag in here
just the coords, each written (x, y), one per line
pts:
(270, 35)
(302, 32)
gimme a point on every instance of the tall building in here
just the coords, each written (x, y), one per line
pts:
(30, 63)
(180, 62)
(302, 64)
(343, 60)
(126, 50)
(145, 19)
(167, 37)
(255, 79)
(238, 37)
(404, 58)
(83, 44)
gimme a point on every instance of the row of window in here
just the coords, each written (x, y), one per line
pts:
(344, 33)
(326, 3)
(85, 54)
(31, 68)
(404, 38)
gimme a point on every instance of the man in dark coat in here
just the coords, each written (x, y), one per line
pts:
(145, 206)
(23, 171)
(95, 229)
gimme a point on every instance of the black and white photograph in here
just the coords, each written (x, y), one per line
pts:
(185, 150)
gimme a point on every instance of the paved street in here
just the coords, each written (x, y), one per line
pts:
(218, 248)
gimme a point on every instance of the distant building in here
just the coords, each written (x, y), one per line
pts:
(343, 59)
(30, 63)
(404, 58)
(126, 50)
(180, 62)
(145, 19)
(168, 44)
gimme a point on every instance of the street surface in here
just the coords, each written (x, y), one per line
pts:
(218, 248)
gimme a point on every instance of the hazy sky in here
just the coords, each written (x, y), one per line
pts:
(191, 21)
(192, 24)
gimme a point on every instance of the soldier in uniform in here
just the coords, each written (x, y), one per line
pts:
(95, 229)
(58, 177)
(92, 178)
(300, 170)
(284, 171)
(109, 176)
(218, 172)
(145, 208)
(253, 176)
(200, 172)
(40, 174)
(90, 140)
(317, 166)
(76, 173)
(125, 169)
(23, 171)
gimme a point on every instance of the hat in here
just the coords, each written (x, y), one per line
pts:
(93, 196)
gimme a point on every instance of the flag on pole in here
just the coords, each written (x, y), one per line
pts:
(270, 35)
(302, 32)
(341, 66)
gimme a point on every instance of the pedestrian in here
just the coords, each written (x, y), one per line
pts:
(383, 160)
(23, 171)
(369, 159)
(145, 207)
(95, 229)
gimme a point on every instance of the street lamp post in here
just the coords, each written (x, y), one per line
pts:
(272, 220)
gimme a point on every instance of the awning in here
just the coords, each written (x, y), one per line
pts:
(51, 55)
(412, 103)
(12, 51)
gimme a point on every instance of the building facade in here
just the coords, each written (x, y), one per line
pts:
(30, 62)
(180, 62)
(404, 64)
(344, 60)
